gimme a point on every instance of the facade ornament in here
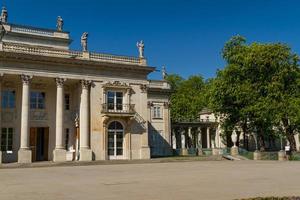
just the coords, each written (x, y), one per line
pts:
(141, 46)
(60, 82)
(86, 84)
(234, 138)
(84, 39)
(59, 23)
(116, 83)
(26, 79)
(164, 73)
(166, 105)
(76, 120)
(143, 88)
(4, 15)
(149, 104)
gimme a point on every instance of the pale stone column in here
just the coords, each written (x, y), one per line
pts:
(199, 139)
(167, 129)
(183, 150)
(208, 137)
(174, 139)
(1, 77)
(24, 153)
(59, 153)
(190, 137)
(85, 151)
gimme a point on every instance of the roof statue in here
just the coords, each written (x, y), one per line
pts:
(59, 23)
(164, 73)
(4, 15)
(84, 38)
(140, 45)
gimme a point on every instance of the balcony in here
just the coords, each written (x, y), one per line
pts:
(118, 109)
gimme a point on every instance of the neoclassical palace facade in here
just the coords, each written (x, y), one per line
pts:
(59, 104)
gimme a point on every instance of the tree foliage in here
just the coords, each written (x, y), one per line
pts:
(187, 99)
(258, 89)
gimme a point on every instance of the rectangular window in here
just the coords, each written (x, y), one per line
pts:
(67, 139)
(6, 139)
(114, 100)
(8, 99)
(67, 101)
(37, 100)
(157, 112)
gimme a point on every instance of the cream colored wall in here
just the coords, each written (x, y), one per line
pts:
(162, 127)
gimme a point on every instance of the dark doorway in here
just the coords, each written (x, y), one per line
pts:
(39, 142)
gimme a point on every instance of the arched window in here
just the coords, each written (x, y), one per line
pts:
(115, 140)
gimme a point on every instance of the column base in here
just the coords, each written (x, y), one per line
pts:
(199, 152)
(59, 155)
(234, 151)
(257, 155)
(85, 155)
(145, 153)
(216, 151)
(281, 155)
(184, 152)
(24, 156)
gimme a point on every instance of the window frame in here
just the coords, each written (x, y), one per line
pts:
(35, 105)
(67, 104)
(8, 141)
(157, 112)
(116, 106)
(8, 99)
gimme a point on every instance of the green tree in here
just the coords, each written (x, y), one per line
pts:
(187, 99)
(258, 89)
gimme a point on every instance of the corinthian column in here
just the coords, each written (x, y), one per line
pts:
(85, 151)
(59, 153)
(24, 153)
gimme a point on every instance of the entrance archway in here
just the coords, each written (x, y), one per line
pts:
(115, 140)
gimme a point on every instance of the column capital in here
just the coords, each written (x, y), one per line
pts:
(85, 84)
(60, 82)
(26, 79)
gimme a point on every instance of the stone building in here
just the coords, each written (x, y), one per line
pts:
(59, 104)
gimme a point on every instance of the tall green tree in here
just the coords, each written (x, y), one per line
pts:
(187, 99)
(258, 89)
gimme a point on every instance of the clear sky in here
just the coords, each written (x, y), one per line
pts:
(186, 36)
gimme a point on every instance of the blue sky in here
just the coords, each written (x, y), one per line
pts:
(186, 36)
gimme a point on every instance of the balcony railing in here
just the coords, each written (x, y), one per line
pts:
(61, 53)
(118, 108)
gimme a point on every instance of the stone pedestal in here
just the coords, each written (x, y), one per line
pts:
(24, 156)
(215, 151)
(234, 151)
(281, 155)
(145, 153)
(59, 155)
(184, 152)
(199, 152)
(85, 155)
(257, 155)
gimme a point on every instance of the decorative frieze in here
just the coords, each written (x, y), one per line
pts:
(143, 88)
(38, 115)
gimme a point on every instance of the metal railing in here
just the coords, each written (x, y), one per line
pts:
(118, 108)
(44, 51)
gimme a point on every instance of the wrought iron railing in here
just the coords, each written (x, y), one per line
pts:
(118, 108)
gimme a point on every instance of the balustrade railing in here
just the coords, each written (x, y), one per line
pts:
(31, 30)
(44, 51)
(118, 108)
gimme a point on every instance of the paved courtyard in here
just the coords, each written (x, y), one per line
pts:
(174, 180)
